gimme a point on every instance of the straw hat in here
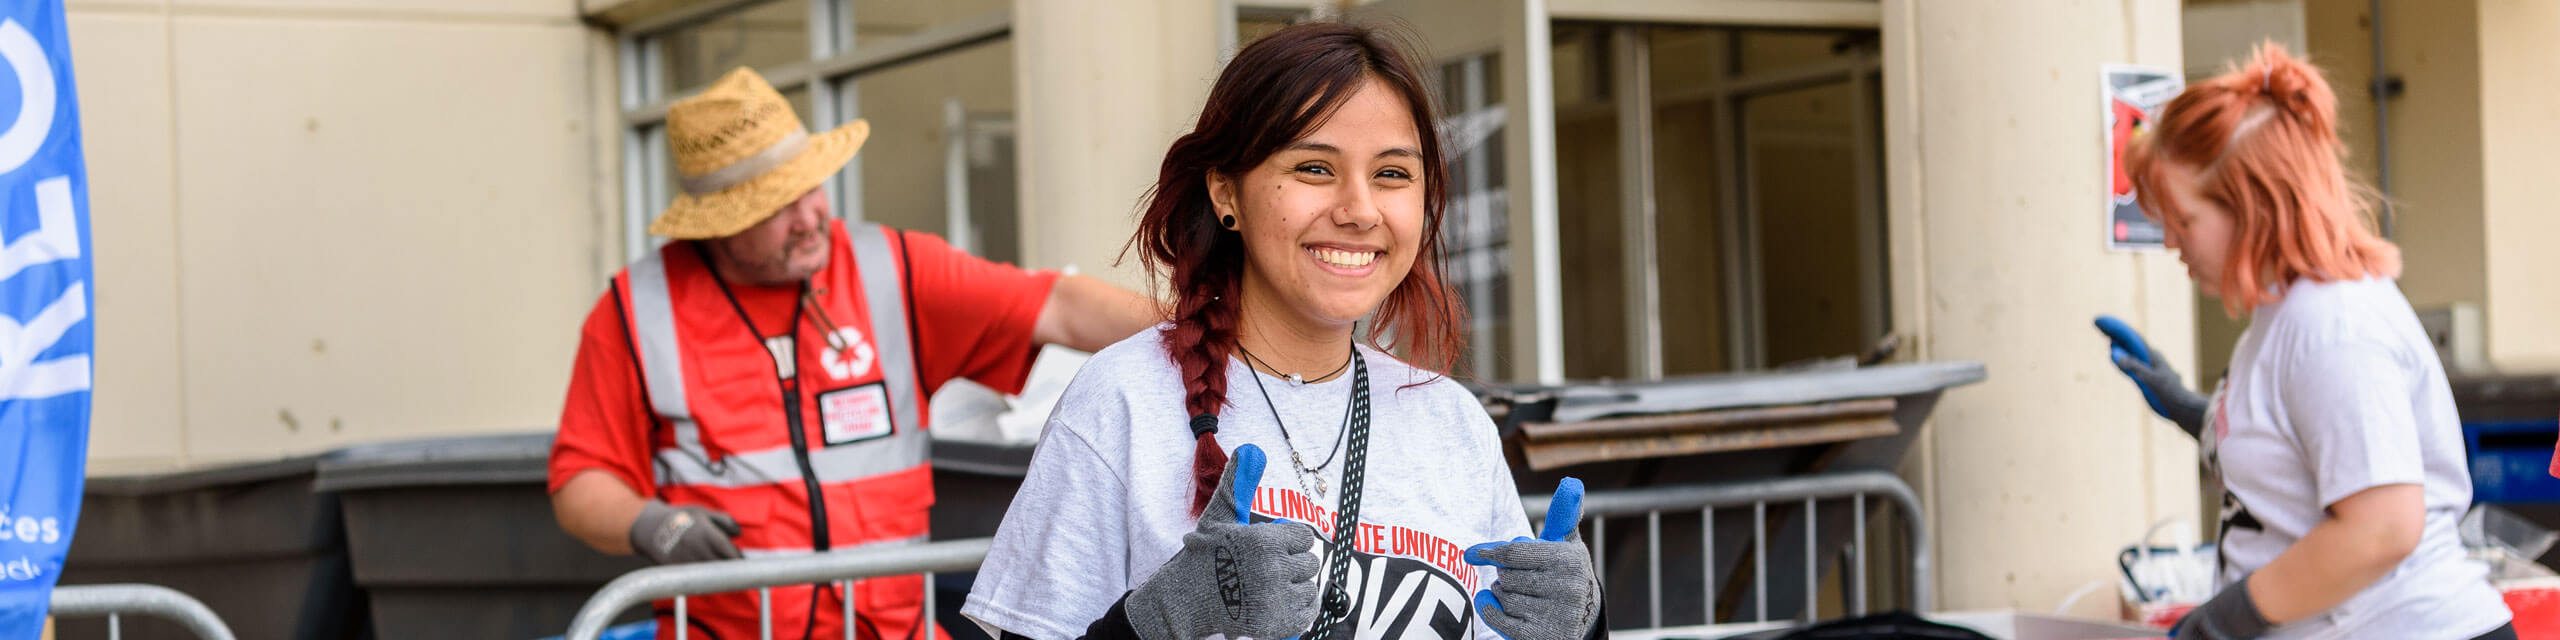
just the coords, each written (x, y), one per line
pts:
(742, 154)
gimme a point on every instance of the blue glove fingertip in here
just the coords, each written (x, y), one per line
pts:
(1486, 602)
(1564, 512)
(1249, 463)
(2125, 338)
(1474, 558)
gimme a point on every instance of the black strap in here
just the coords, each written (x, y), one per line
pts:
(2503, 632)
(1346, 521)
(907, 300)
(1113, 625)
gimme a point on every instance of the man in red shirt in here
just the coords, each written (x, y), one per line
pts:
(757, 387)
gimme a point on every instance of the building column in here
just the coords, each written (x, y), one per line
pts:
(1104, 87)
(1995, 180)
(2520, 110)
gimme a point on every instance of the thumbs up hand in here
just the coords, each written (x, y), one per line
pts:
(1547, 589)
(1232, 577)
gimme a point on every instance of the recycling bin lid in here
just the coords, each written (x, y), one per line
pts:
(514, 458)
(201, 477)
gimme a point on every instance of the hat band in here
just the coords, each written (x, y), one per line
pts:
(782, 151)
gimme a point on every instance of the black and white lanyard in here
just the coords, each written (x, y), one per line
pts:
(1337, 595)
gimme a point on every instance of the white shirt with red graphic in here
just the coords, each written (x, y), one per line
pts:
(1107, 499)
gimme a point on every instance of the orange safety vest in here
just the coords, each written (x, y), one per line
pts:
(754, 426)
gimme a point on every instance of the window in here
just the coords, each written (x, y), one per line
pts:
(1475, 235)
(762, 36)
(1759, 171)
(935, 80)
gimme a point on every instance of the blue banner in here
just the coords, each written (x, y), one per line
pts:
(46, 337)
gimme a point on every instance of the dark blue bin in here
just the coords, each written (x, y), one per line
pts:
(2511, 460)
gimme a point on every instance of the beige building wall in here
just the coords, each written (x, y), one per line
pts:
(2436, 133)
(321, 222)
(2520, 110)
(2034, 478)
(2472, 204)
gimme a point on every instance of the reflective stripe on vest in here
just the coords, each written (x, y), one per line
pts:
(653, 330)
(655, 335)
(884, 290)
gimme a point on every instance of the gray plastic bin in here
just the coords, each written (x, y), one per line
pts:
(454, 538)
(252, 541)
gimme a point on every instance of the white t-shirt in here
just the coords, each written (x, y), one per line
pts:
(2334, 390)
(1108, 496)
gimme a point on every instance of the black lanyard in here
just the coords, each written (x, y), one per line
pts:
(1346, 521)
(790, 387)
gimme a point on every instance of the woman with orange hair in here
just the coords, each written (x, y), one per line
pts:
(2334, 430)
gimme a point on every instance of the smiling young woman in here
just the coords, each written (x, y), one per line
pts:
(1307, 199)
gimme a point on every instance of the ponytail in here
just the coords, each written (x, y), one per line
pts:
(2263, 143)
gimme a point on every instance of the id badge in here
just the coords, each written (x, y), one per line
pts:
(855, 414)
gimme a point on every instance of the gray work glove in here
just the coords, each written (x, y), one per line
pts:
(1547, 589)
(1233, 578)
(692, 533)
(2230, 615)
(2160, 385)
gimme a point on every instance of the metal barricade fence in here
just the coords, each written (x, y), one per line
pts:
(116, 600)
(639, 587)
(1855, 487)
(677, 582)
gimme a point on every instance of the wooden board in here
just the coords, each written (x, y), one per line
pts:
(1721, 419)
(1550, 454)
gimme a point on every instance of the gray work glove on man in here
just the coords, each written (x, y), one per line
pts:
(669, 534)
(1547, 589)
(1233, 578)
(2230, 615)
(2160, 385)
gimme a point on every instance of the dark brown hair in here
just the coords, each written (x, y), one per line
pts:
(1278, 89)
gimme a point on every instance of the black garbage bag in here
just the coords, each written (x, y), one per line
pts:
(1891, 625)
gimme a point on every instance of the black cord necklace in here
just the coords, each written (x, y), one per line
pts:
(1333, 451)
(1300, 379)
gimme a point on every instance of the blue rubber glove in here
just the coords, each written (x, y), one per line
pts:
(2151, 373)
(1547, 590)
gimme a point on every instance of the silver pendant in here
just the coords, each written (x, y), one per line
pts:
(1297, 379)
(1320, 486)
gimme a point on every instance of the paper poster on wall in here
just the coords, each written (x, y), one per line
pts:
(45, 300)
(2134, 96)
